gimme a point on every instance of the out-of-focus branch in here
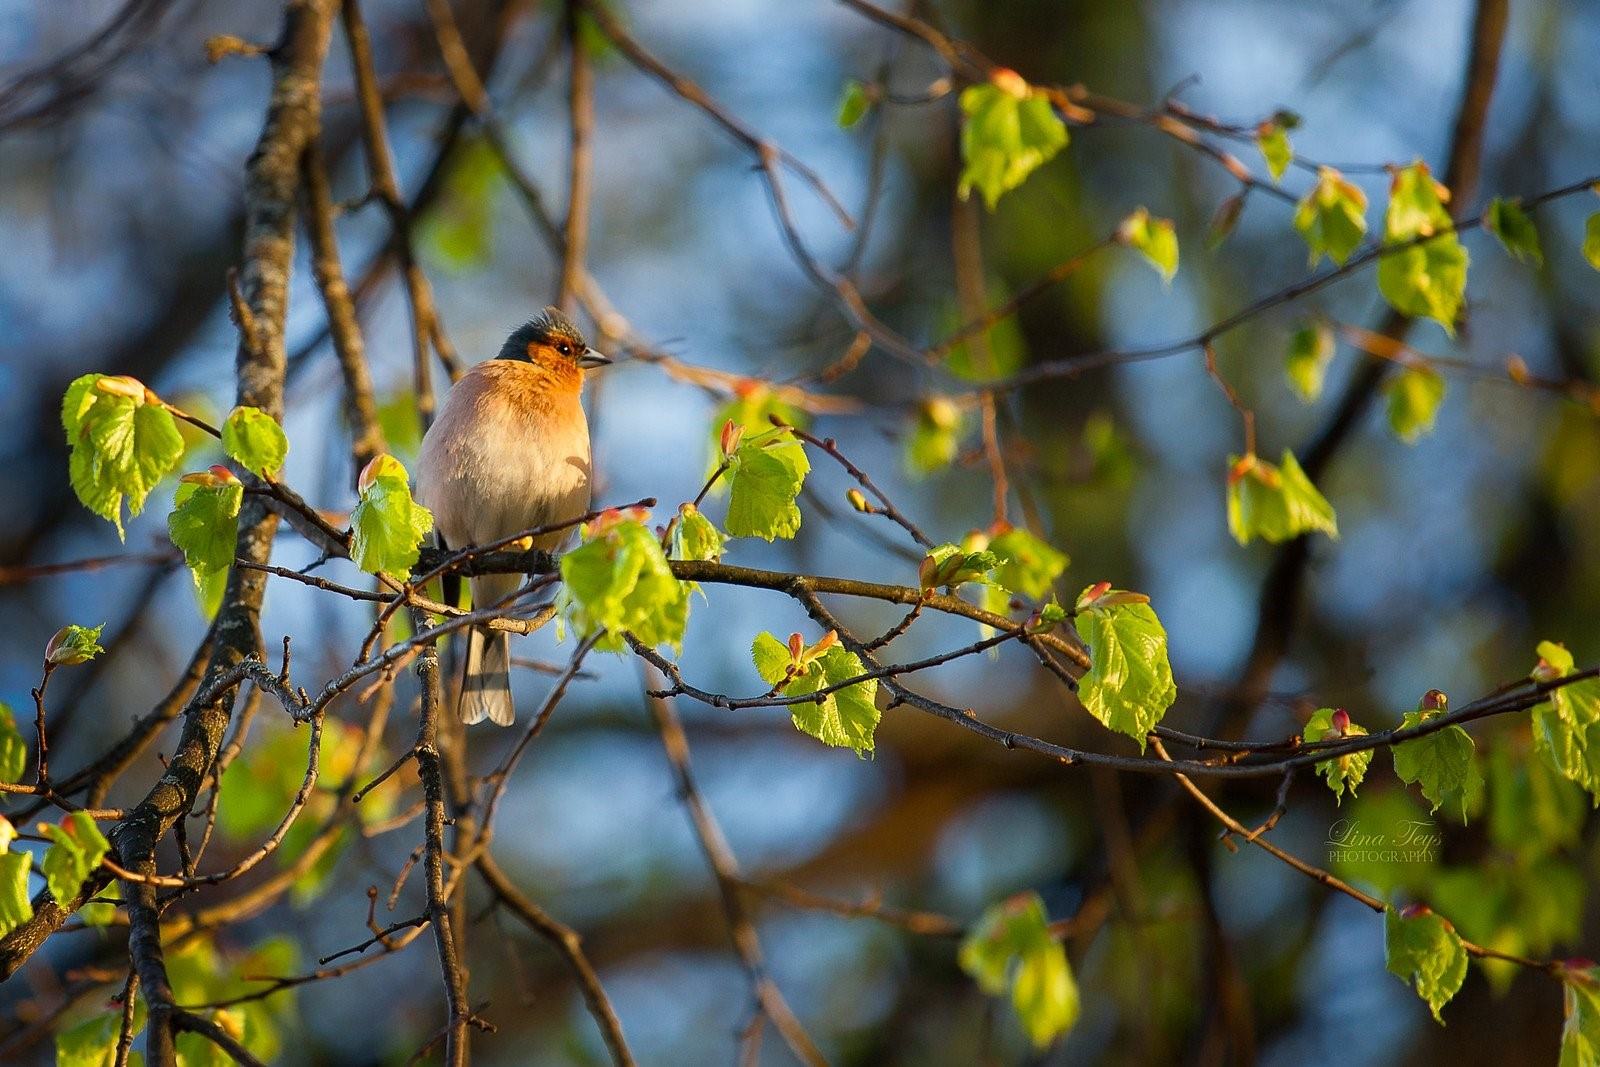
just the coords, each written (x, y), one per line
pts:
(580, 112)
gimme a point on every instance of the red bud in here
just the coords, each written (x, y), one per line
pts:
(1341, 721)
(1435, 700)
(1009, 82)
(797, 646)
(732, 434)
(1415, 911)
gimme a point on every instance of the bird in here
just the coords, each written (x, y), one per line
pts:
(509, 451)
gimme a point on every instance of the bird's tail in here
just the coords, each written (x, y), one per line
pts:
(486, 683)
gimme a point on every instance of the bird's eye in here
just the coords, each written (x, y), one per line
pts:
(564, 348)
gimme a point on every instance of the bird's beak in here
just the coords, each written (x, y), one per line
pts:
(591, 358)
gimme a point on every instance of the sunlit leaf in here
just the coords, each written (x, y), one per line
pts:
(846, 718)
(73, 644)
(1342, 772)
(766, 473)
(122, 444)
(77, 847)
(1424, 950)
(1426, 279)
(1566, 726)
(1273, 141)
(1275, 503)
(618, 579)
(1444, 763)
(255, 440)
(1008, 131)
(1011, 947)
(1155, 239)
(15, 906)
(204, 522)
(1028, 564)
(387, 526)
(1332, 217)
(1311, 349)
(1580, 1005)
(13, 749)
(1129, 684)
(695, 536)
(935, 440)
(1413, 399)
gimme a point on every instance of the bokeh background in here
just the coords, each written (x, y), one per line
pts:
(120, 199)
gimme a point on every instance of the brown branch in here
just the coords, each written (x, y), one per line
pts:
(580, 111)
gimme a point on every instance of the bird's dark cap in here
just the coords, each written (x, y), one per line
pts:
(551, 328)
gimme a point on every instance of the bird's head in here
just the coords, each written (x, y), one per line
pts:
(552, 341)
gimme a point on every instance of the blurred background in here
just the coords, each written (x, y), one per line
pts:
(120, 200)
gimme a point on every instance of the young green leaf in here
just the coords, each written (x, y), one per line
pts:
(1275, 503)
(1311, 349)
(1414, 396)
(77, 848)
(695, 536)
(766, 473)
(1580, 1005)
(255, 439)
(1444, 763)
(1332, 217)
(1566, 726)
(1273, 141)
(1426, 279)
(1534, 810)
(13, 749)
(93, 1042)
(1008, 131)
(854, 103)
(619, 580)
(1591, 240)
(1028, 564)
(73, 644)
(15, 906)
(1155, 239)
(123, 442)
(949, 566)
(1129, 685)
(1011, 947)
(936, 438)
(204, 522)
(1424, 950)
(1341, 772)
(387, 526)
(845, 718)
(1516, 231)
(103, 908)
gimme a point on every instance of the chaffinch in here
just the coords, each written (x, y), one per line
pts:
(509, 451)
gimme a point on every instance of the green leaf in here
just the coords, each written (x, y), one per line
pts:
(77, 848)
(1580, 1005)
(1129, 685)
(1155, 239)
(13, 749)
(459, 229)
(1591, 240)
(1011, 947)
(1444, 763)
(766, 473)
(15, 907)
(1566, 726)
(949, 566)
(255, 439)
(1332, 217)
(1275, 503)
(1341, 772)
(400, 423)
(1427, 279)
(1507, 221)
(73, 644)
(619, 580)
(103, 908)
(93, 1042)
(1414, 396)
(1273, 141)
(122, 444)
(1007, 134)
(695, 536)
(1311, 349)
(854, 103)
(204, 522)
(1028, 564)
(846, 718)
(1424, 950)
(936, 439)
(387, 526)
(1533, 809)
